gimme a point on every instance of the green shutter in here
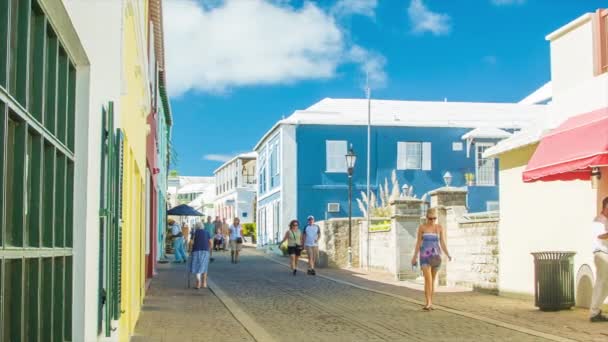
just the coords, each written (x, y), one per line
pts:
(102, 221)
(118, 215)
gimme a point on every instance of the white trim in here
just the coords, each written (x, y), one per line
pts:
(583, 19)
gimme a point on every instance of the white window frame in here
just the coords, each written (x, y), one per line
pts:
(478, 180)
(424, 160)
(329, 155)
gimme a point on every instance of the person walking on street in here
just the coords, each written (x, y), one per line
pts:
(178, 243)
(186, 235)
(236, 240)
(210, 228)
(599, 229)
(225, 233)
(312, 233)
(201, 252)
(293, 236)
(430, 242)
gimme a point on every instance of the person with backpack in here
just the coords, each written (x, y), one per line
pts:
(311, 236)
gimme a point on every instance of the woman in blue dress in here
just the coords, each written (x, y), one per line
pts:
(200, 255)
(429, 243)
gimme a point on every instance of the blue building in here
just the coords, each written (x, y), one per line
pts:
(301, 166)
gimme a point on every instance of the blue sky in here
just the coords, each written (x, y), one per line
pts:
(236, 67)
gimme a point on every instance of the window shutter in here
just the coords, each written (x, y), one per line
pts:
(426, 156)
(118, 231)
(401, 156)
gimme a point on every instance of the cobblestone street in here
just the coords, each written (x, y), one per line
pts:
(259, 299)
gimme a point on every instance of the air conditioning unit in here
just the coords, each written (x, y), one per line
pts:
(333, 207)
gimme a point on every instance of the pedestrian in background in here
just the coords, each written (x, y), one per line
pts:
(186, 234)
(200, 256)
(312, 233)
(225, 233)
(600, 255)
(430, 242)
(178, 243)
(236, 240)
(210, 228)
(293, 236)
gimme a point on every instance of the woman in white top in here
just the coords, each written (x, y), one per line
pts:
(236, 240)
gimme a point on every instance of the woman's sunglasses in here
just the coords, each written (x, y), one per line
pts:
(431, 218)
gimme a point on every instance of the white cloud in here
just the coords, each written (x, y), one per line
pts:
(355, 7)
(218, 157)
(370, 63)
(424, 20)
(507, 2)
(232, 43)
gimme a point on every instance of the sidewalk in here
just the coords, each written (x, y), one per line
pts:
(573, 324)
(172, 312)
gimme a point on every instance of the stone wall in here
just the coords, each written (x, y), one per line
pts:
(333, 244)
(473, 244)
(382, 248)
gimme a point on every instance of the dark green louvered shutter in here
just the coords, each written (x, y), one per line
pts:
(118, 216)
(103, 219)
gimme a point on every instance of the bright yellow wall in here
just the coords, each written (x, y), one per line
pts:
(133, 112)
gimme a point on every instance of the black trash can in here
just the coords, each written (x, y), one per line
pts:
(554, 280)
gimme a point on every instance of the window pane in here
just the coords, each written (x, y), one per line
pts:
(15, 179)
(71, 106)
(58, 296)
(62, 91)
(22, 58)
(51, 80)
(485, 167)
(2, 147)
(34, 189)
(69, 209)
(67, 303)
(60, 200)
(37, 60)
(48, 192)
(414, 155)
(46, 299)
(4, 15)
(32, 286)
(13, 46)
(13, 293)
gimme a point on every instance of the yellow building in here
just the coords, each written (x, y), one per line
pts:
(135, 106)
(554, 215)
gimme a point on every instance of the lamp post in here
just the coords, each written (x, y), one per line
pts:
(351, 159)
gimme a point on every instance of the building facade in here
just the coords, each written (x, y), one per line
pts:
(44, 113)
(236, 188)
(561, 210)
(302, 167)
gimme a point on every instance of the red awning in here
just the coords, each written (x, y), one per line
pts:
(571, 150)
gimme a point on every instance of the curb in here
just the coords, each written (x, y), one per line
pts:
(443, 308)
(255, 330)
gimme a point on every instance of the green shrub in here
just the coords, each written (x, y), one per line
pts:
(249, 229)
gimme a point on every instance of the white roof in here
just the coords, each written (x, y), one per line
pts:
(523, 138)
(486, 133)
(540, 95)
(413, 114)
(248, 155)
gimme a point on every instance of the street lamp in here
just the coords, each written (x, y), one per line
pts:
(351, 159)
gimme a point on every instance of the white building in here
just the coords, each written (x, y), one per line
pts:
(197, 192)
(546, 216)
(236, 188)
